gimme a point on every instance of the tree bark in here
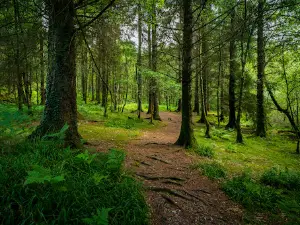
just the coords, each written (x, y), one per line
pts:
(260, 114)
(186, 137)
(139, 61)
(60, 108)
(17, 56)
(154, 85)
(42, 67)
(232, 67)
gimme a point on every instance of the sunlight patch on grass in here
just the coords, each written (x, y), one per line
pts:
(257, 154)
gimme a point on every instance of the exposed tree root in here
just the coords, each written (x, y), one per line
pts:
(169, 191)
(194, 196)
(155, 143)
(204, 191)
(172, 182)
(161, 160)
(171, 201)
(160, 178)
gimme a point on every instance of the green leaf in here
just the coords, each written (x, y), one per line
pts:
(100, 219)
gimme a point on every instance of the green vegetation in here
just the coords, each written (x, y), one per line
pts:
(262, 174)
(43, 182)
(212, 170)
(204, 150)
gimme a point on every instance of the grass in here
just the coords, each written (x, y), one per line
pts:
(262, 174)
(212, 170)
(44, 183)
(204, 151)
(257, 154)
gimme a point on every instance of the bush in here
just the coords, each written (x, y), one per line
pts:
(213, 170)
(205, 151)
(43, 184)
(282, 179)
(251, 194)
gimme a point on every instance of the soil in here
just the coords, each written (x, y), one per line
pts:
(176, 193)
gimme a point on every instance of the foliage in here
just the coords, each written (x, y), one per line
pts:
(204, 150)
(42, 183)
(212, 170)
(251, 194)
(282, 179)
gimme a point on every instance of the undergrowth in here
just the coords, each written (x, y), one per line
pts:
(204, 150)
(212, 170)
(43, 184)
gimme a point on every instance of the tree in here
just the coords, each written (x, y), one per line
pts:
(232, 67)
(186, 137)
(260, 114)
(61, 108)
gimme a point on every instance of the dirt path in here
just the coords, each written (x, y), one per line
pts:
(176, 193)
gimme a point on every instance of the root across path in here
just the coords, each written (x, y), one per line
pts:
(176, 193)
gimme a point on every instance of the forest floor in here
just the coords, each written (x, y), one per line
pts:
(176, 193)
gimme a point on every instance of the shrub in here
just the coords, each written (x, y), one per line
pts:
(213, 170)
(282, 179)
(251, 194)
(205, 151)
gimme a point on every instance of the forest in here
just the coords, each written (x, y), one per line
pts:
(158, 112)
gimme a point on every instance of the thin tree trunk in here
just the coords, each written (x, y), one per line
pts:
(139, 60)
(42, 67)
(260, 114)
(155, 89)
(17, 56)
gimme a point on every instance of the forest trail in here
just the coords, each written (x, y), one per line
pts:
(177, 194)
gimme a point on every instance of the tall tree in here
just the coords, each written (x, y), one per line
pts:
(260, 114)
(232, 69)
(154, 84)
(139, 60)
(60, 105)
(186, 137)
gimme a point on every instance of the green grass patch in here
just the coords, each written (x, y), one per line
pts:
(212, 170)
(204, 151)
(287, 179)
(250, 193)
(41, 183)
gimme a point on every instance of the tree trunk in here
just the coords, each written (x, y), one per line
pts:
(60, 108)
(84, 80)
(154, 88)
(232, 67)
(198, 74)
(42, 67)
(17, 56)
(149, 65)
(139, 61)
(186, 137)
(260, 114)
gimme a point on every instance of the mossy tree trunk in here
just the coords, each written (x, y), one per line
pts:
(60, 108)
(260, 113)
(186, 137)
